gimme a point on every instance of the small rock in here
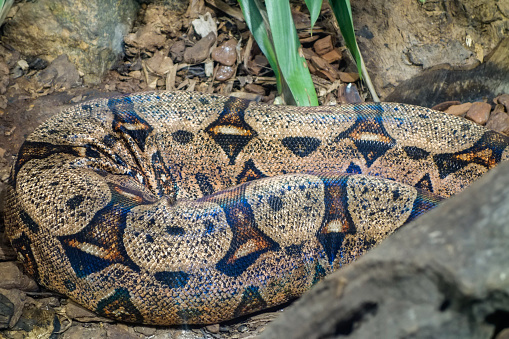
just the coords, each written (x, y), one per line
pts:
(459, 110)
(148, 331)
(12, 302)
(213, 328)
(348, 94)
(119, 331)
(6, 251)
(348, 77)
(445, 105)
(504, 334)
(200, 51)
(499, 108)
(308, 53)
(36, 63)
(159, 63)
(177, 51)
(332, 56)
(23, 64)
(324, 45)
(253, 88)
(242, 328)
(12, 277)
(135, 75)
(61, 73)
(324, 69)
(79, 313)
(499, 122)
(479, 112)
(258, 64)
(226, 53)
(504, 100)
(224, 72)
(146, 38)
(4, 77)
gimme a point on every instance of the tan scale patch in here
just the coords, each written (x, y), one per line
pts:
(289, 209)
(409, 128)
(183, 236)
(57, 215)
(378, 207)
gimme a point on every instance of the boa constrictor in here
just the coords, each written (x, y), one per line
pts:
(171, 208)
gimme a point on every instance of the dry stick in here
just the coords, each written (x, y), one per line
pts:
(222, 6)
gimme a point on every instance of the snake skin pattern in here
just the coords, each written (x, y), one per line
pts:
(173, 208)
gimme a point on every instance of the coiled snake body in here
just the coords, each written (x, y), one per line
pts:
(170, 208)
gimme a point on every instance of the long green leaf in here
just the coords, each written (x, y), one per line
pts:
(256, 23)
(293, 66)
(343, 13)
(314, 7)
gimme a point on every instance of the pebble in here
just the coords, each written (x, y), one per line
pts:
(254, 88)
(226, 53)
(504, 334)
(459, 110)
(503, 100)
(213, 328)
(348, 77)
(242, 328)
(12, 277)
(200, 51)
(177, 51)
(479, 112)
(12, 302)
(224, 72)
(499, 122)
(445, 105)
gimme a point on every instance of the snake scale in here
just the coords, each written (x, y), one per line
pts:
(173, 208)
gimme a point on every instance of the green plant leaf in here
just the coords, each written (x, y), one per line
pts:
(255, 16)
(343, 12)
(314, 7)
(293, 66)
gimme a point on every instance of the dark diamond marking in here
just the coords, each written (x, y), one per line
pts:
(206, 187)
(230, 131)
(209, 227)
(275, 203)
(336, 213)
(23, 246)
(182, 137)
(166, 184)
(249, 173)
(28, 221)
(105, 231)
(319, 273)
(294, 250)
(486, 152)
(301, 146)
(119, 306)
(353, 169)
(251, 301)
(248, 242)
(109, 140)
(369, 136)
(172, 279)
(127, 122)
(175, 230)
(425, 183)
(415, 153)
(75, 201)
(424, 202)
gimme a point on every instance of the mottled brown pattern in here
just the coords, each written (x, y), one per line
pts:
(171, 208)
